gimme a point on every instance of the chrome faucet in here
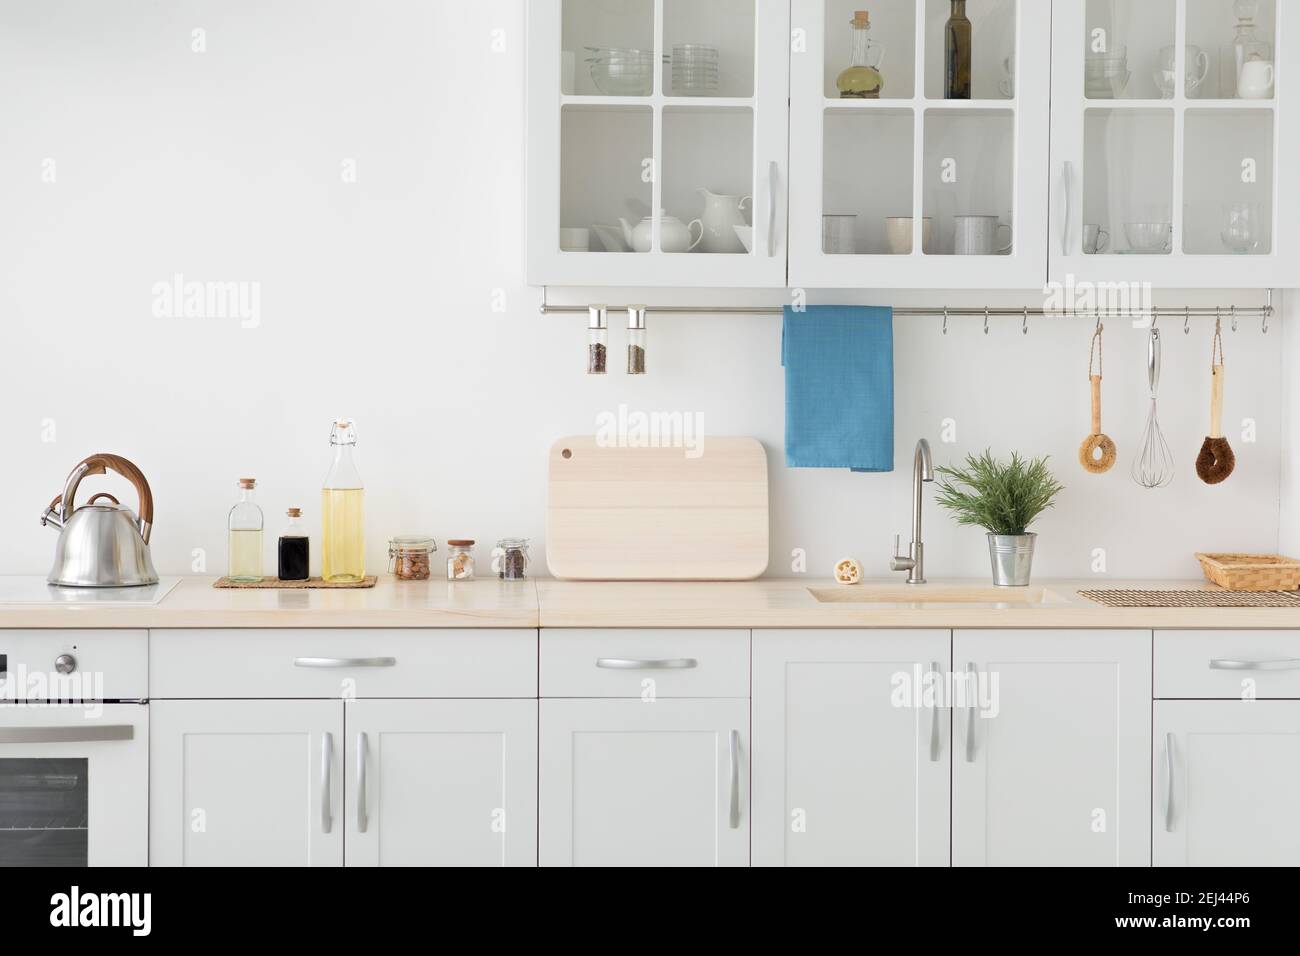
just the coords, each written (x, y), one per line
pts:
(922, 470)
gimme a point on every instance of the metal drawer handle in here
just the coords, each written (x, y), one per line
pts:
(1169, 783)
(970, 713)
(934, 722)
(362, 818)
(345, 662)
(626, 664)
(326, 759)
(66, 735)
(1283, 665)
(733, 818)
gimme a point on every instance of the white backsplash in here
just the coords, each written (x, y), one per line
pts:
(397, 299)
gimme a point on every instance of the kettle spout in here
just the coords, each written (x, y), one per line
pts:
(50, 516)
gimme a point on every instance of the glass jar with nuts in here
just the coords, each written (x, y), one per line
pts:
(408, 557)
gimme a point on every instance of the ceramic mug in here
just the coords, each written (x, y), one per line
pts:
(978, 236)
(575, 240)
(1255, 82)
(898, 232)
(1096, 240)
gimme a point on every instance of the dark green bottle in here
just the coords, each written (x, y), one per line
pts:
(956, 61)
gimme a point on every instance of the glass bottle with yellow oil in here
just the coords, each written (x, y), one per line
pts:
(245, 536)
(343, 538)
(861, 79)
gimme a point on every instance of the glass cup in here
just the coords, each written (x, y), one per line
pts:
(1096, 240)
(1242, 227)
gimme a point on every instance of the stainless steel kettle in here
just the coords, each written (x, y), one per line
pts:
(102, 545)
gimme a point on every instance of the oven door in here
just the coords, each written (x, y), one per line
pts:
(74, 784)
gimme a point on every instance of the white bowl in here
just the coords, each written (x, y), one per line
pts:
(746, 236)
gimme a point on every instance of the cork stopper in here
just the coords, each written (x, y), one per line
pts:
(861, 20)
(294, 512)
(248, 483)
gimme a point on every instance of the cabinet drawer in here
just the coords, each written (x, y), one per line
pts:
(1220, 663)
(105, 664)
(359, 662)
(615, 663)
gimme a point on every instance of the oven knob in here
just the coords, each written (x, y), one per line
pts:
(65, 663)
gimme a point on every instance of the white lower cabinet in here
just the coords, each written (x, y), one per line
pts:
(246, 783)
(1227, 778)
(441, 783)
(851, 755)
(630, 783)
(1051, 765)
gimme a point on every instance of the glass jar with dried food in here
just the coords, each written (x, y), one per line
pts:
(636, 339)
(408, 557)
(510, 559)
(460, 559)
(597, 340)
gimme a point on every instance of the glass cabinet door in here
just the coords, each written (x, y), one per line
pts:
(657, 142)
(919, 143)
(1166, 127)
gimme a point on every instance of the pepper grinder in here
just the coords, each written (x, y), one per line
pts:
(636, 339)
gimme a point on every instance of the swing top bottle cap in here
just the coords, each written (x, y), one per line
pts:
(343, 432)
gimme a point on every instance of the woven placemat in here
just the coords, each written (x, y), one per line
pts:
(368, 582)
(1121, 598)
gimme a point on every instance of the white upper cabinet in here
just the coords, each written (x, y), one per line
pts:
(672, 105)
(1167, 124)
(972, 172)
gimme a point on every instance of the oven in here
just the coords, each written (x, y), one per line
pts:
(74, 748)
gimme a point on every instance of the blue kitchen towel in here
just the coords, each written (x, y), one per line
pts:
(839, 387)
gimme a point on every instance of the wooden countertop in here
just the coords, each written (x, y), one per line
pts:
(549, 603)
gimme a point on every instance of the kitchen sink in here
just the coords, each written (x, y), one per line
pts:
(936, 594)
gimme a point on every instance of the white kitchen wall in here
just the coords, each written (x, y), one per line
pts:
(395, 296)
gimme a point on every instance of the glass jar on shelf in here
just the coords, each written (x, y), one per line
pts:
(510, 559)
(460, 559)
(408, 557)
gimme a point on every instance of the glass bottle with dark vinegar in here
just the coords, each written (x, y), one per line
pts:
(294, 551)
(957, 54)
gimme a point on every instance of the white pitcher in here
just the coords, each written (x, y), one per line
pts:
(721, 216)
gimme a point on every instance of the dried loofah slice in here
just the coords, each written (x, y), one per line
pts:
(1216, 461)
(1090, 459)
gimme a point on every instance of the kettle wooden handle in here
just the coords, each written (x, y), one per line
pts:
(97, 464)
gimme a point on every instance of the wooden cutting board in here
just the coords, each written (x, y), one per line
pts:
(655, 514)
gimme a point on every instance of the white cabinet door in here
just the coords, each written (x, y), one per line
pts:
(246, 783)
(441, 782)
(657, 136)
(627, 783)
(851, 755)
(1051, 762)
(1235, 767)
(1182, 184)
(864, 171)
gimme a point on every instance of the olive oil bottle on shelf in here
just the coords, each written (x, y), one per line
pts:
(861, 79)
(343, 527)
(957, 54)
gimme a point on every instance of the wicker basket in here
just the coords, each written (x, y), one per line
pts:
(1251, 572)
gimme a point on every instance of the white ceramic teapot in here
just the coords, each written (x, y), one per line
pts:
(674, 235)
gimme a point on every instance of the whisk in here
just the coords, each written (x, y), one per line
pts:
(1154, 465)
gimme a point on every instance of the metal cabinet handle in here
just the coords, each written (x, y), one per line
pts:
(362, 819)
(66, 735)
(733, 818)
(1280, 665)
(345, 662)
(1169, 783)
(970, 714)
(773, 172)
(628, 664)
(1067, 177)
(934, 722)
(326, 760)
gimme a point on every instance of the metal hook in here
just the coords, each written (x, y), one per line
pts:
(1187, 320)
(986, 320)
(945, 320)
(1234, 318)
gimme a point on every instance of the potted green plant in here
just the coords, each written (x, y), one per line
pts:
(1003, 498)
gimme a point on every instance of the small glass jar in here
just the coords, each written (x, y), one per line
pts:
(460, 559)
(408, 557)
(597, 340)
(636, 339)
(510, 559)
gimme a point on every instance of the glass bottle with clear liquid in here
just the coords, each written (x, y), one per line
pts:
(861, 79)
(245, 536)
(343, 527)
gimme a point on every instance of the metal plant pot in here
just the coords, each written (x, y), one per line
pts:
(1012, 556)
